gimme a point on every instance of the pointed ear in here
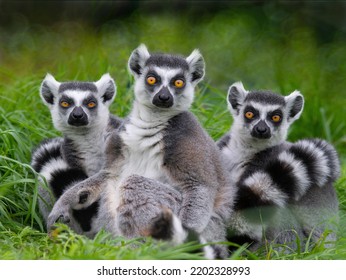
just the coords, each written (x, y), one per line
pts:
(49, 89)
(197, 66)
(106, 89)
(294, 105)
(236, 96)
(137, 60)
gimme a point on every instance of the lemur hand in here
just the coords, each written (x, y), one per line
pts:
(60, 213)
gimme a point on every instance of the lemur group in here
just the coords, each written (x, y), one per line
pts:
(158, 173)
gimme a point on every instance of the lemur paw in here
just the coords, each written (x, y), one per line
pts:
(216, 251)
(59, 214)
(193, 219)
(83, 197)
(83, 200)
(162, 226)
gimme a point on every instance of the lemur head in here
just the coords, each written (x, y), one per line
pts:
(164, 81)
(262, 118)
(78, 105)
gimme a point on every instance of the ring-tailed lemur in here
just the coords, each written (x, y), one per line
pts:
(162, 150)
(80, 111)
(284, 189)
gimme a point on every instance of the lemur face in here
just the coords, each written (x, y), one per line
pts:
(262, 116)
(78, 104)
(165, 81)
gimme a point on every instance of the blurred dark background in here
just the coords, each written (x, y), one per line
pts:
(277, 45)
(326, 18)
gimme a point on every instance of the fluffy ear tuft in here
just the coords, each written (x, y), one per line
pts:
(236, 96)
(197, 66)
(294, 105)
(106, 88)
(49, 89)
(137, 60)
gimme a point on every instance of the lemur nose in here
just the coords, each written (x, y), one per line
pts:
(77, 113)
(164, 97)
(261, 129)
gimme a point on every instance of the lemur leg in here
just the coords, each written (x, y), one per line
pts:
(143, 202)
(79, 196)
(46, 199)
(88, 191)
(215, 232)
(197, 206)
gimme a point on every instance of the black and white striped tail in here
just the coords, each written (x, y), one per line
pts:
(48, 160)
(169, 227)
(285, 173)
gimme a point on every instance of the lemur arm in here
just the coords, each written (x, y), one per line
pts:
(189, 158)
(79, 196)
(197, 205)
(88, 191)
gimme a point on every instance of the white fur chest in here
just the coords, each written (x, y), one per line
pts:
(144, 150)
(94, 159)
(90, 151)
(235, 156)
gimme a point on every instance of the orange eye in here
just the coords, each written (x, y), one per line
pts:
(276, 118)
(249, 115)
(151, 80)
(64, 104)
(179, 83)
(91, 104)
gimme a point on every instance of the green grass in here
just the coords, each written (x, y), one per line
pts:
(235, 47)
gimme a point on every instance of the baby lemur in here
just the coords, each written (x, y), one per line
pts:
(161, 163)
(285, 190)
(80, 111)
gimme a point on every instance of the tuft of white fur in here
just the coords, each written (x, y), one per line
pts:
(195, 60)
(321, 163)
(299, 171)
(179, 234)
(261, 184)
(103, 85)
(141, 54)
(52, 84)
(51, 145)
(240, 87)
(208, 250)
(143, 51)
(290, 101)
(240, 91)
(194, 56)
(51, 166)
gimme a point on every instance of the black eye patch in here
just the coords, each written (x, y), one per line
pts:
(89, 99)
(275, 117)
(178, 82)
(276, 112)
(251, 109)
(151, 81)
(67, 100)
(154, 75)
(179, 76)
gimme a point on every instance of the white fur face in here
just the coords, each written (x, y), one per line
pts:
(78, 106)
(262, 118)
(165, 82)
